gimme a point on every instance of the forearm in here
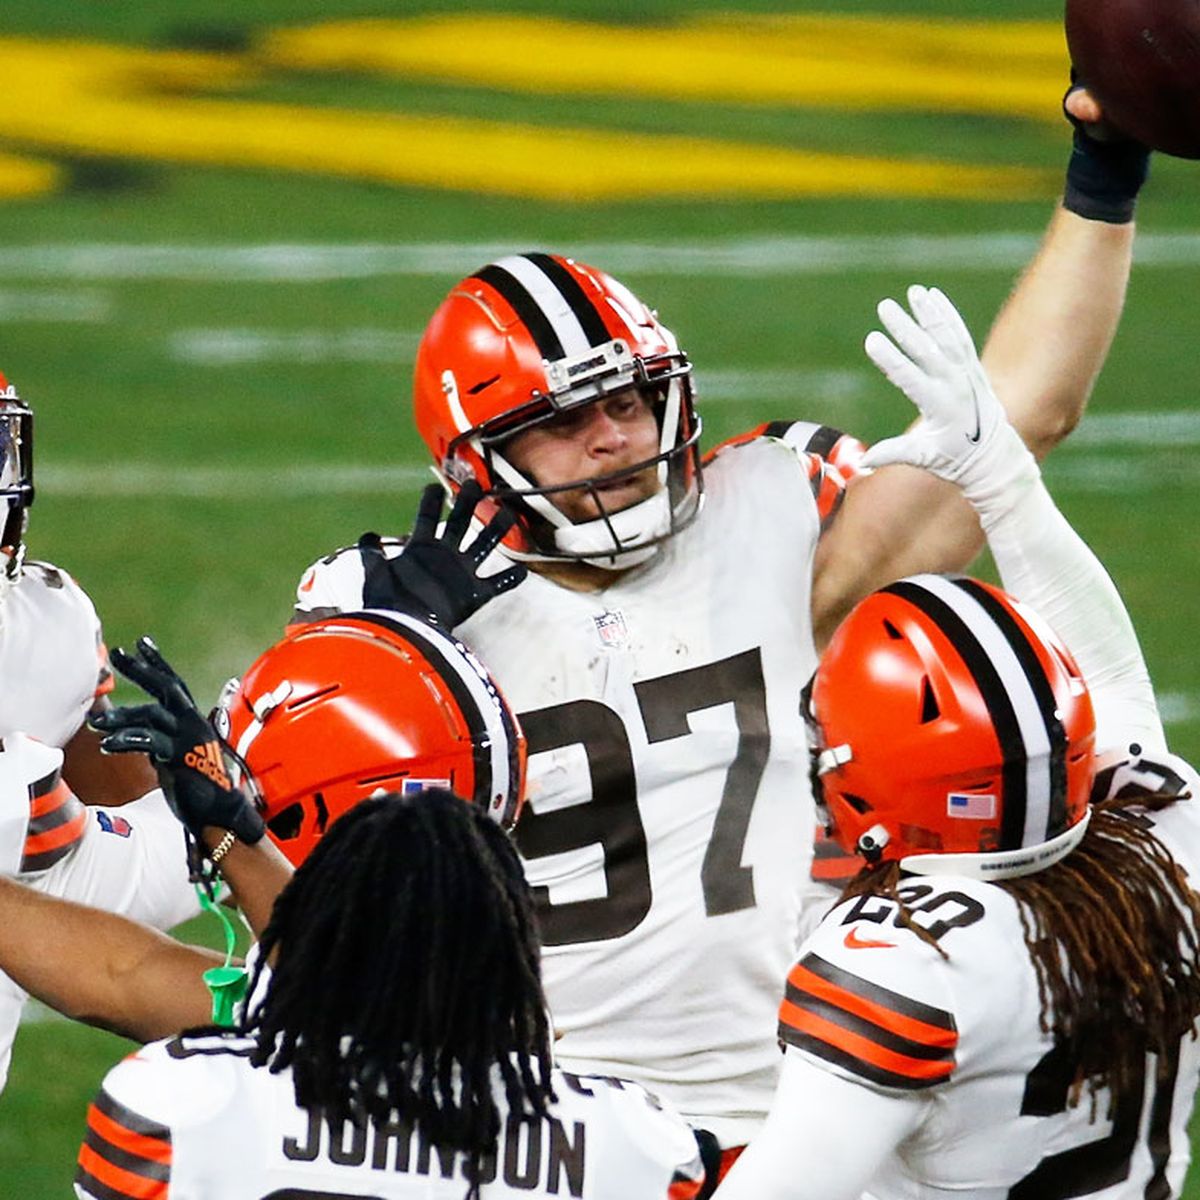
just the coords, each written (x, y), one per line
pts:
(255, 874)
(1045, 563)
(1051, 338)
(100, 968)
(898, 521)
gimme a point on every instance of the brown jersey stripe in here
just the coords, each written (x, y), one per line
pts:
(57, 821)
(109, 1182)
(798, 1026)
(45, 785)
(831, 864)
(888, 1038)
(127, 1160)
(132, 1151)
(877, 1072)
(893, 1010)
(132, 1122)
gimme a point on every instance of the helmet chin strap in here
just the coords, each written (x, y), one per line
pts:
(601, 542)
(593, 541)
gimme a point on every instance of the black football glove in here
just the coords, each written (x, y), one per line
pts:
(434, 579)
(183, 745)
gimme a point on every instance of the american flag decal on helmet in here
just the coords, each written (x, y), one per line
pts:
(1019, 699)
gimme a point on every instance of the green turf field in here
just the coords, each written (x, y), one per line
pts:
(219, 240)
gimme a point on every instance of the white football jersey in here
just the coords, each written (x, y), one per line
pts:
(193, 1120)
(53, 663)
(668, 830)
(872, 1003)
(127, 860)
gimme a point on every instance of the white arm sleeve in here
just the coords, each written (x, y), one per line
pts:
(1046, 564)
(825, 1137)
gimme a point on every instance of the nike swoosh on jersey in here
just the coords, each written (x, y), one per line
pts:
(883, 1036)
(854, 942)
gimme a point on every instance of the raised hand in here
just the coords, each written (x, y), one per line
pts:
(435, 578)
(963, 435)
(183, 745)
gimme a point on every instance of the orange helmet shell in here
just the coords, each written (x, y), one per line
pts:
(952, 724)
(531, 336)
(350, 706)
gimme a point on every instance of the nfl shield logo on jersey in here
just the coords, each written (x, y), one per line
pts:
(612, 628)
(975, 808)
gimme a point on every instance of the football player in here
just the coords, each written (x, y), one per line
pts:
(54, 672)
(672, 613)
(1004, 1002)
(53, 663)
(399, 1042)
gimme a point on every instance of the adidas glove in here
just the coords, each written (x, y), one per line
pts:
(184, 746)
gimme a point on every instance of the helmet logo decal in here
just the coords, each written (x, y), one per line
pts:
(971, 806)
(450, 388)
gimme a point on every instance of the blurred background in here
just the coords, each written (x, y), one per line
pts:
(222, 229)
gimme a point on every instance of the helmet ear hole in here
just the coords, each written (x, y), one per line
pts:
(285, 825)
(930, 710)
(857, 803)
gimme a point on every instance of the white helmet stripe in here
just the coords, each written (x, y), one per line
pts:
(1018, 691)
(550, 300)
(482, 708)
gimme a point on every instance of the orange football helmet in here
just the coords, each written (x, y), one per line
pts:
(952, 732)
(369, 702)
(16, 472)
(529, 337)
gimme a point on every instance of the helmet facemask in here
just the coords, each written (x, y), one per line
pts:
(16, 474)
(616, 538)
(531, 338)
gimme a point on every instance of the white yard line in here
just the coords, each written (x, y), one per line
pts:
(745, 256)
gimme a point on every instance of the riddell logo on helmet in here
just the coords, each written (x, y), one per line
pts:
(206, 758)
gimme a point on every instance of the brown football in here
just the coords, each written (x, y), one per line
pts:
(1141, 60)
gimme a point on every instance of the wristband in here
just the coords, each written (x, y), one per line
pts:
(1104, 174)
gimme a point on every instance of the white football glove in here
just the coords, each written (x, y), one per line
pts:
(963, 435)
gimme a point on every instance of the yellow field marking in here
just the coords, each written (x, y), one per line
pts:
(1009, 69)
(21, 178)
(135, 103)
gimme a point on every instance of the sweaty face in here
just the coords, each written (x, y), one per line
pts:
(596, 439)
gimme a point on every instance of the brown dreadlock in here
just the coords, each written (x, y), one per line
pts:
(1113, 931)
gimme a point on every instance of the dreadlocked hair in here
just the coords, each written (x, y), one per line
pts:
(405, 971)
(1113, 931)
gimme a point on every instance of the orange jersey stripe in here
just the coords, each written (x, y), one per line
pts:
(934, 1036)
(45, 803)
(57, 838)
(120, 1181)
(828, 487)
(862, 1048)
(142, 1145)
